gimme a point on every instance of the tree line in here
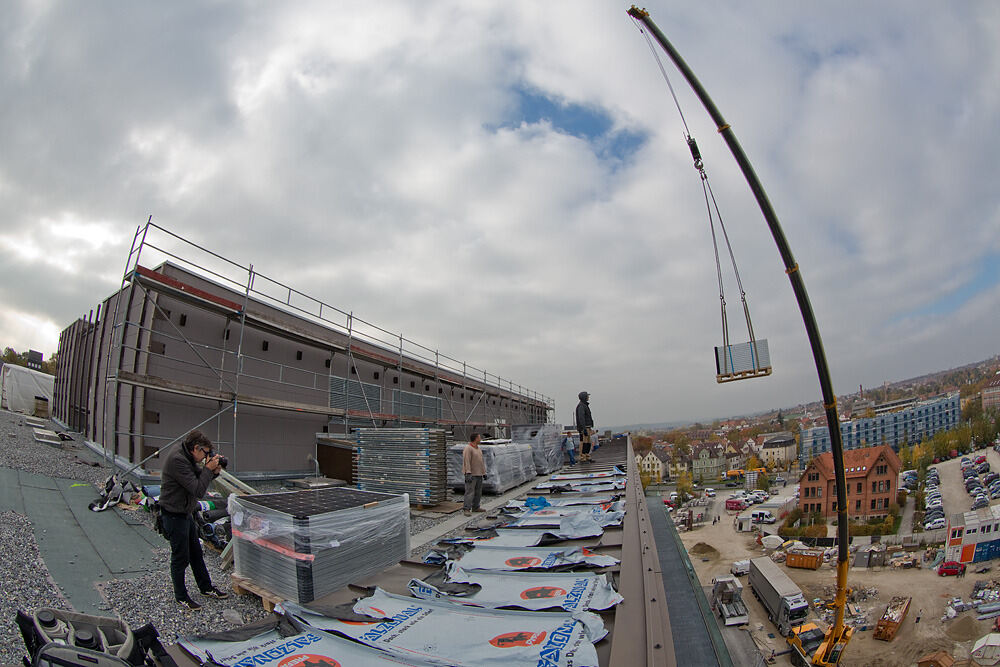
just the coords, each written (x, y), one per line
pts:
(15, 358)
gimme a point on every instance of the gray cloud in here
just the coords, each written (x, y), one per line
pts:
(368, 157)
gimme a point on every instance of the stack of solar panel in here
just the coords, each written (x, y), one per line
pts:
(508, 464)
(403, 460)
(546, 444)
(304, 544)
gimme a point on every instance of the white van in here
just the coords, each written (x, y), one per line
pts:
(762, 516)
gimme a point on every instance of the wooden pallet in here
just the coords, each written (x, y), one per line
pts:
(243, 586)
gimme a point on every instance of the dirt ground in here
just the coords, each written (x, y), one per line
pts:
(713, 547)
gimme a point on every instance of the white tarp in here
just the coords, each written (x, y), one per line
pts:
(560, 501)
(486, 557)
(986, 650)
(20, 385)
(448, 634)
(585, 486)
(529, 537)
(587, 475)
(553, 516)
(573, 591)
(317, 649)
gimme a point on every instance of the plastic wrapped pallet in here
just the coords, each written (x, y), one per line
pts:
(402, 460)
(507, 465)
(546, 444)
(305, 544)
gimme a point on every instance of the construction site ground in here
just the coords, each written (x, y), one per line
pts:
(713, 548)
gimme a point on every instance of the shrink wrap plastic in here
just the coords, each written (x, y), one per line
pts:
(305, 544)
(546, 444)
(507, 465)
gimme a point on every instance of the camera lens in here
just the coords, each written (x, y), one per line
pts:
(223, 461)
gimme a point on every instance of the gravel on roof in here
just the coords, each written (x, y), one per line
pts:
(147, 598)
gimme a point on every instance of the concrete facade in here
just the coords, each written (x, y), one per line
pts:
(260, 380)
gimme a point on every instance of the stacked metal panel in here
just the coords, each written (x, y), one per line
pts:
(403, 460)
(305, 544)
(507, 465)
(546, 444)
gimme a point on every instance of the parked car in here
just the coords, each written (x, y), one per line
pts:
(980, 504)
(980, 459)
(934, 524)
(931, 516)
(951, 567)
(710, 492)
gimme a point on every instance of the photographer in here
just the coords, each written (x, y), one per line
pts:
(183, 483)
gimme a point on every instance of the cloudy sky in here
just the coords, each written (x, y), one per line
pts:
(508, 183)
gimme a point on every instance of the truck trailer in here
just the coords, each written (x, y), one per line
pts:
(782, 598)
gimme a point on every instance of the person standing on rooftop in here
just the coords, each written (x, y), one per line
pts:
(584, 424)
(474, 469)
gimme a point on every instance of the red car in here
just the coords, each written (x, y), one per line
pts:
(980, 459)
(950, 567)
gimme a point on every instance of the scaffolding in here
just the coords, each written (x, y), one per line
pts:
(138, 335)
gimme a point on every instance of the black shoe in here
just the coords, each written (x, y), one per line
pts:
(215, 593)
(189, 605)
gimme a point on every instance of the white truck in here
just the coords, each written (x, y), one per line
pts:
(782, 599)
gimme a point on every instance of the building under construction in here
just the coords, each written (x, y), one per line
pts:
(195, 340)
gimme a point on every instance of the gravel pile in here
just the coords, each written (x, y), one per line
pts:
(140, 600)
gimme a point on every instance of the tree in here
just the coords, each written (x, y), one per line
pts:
(906, 457)
(763, 483)
(685, 486)
(754, 462)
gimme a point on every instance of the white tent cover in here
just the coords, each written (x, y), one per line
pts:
(20, 385)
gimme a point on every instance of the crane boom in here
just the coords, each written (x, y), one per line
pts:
(838, 636)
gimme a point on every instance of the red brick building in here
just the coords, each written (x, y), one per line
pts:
(872, 482)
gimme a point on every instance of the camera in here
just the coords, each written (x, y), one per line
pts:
(223, 461)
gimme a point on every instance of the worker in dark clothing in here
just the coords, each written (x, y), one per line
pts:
(584, 424)
(183, 483)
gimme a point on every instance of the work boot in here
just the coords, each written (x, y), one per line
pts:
(478, 510)
(467, 512)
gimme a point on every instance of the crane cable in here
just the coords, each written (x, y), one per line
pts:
(710, 202)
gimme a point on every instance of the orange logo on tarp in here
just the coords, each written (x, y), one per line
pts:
(309, 660)
(540, 592)
(521, 638)
(523, 561)
(375, 609)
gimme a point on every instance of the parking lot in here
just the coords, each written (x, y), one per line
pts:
(954, 497)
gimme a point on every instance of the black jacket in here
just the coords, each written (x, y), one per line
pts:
(182, 482)
(584, 420)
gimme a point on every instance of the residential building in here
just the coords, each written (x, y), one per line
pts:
(678, 464)
(904, 426)
(707, 461)
(737, 455)
(991, 394)
(778, 449)
(654, 463)
(872, 482)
